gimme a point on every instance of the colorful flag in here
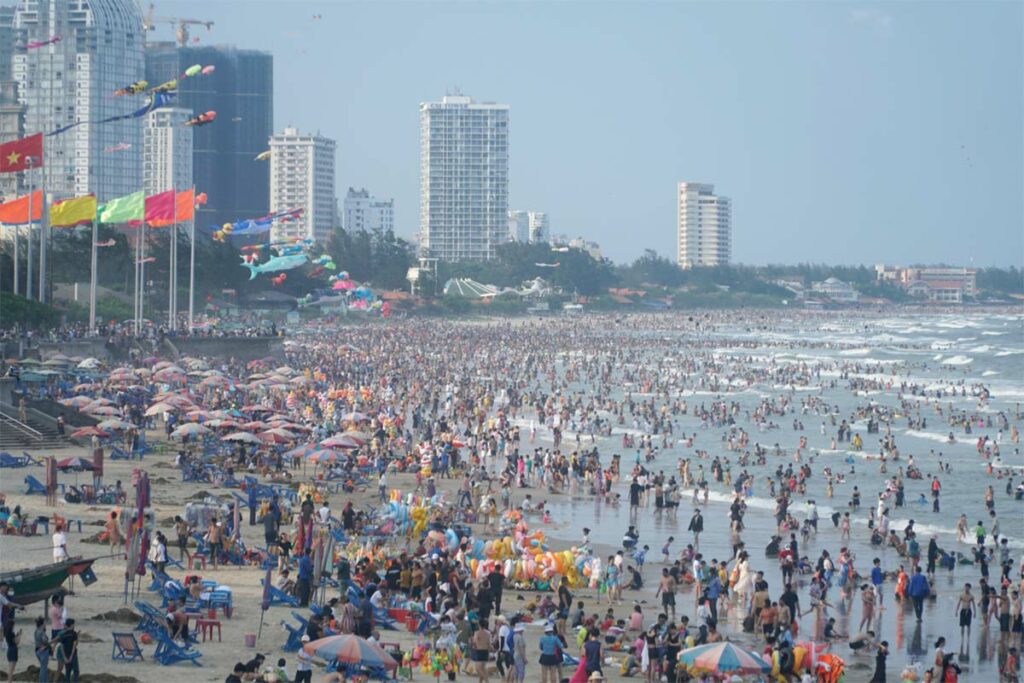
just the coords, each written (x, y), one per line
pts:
(15, 211)
(160, 209)
(21, 154)
(126, 209)
(185, 206)
(68, 213)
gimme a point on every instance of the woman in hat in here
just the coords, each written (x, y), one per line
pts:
(550, 656)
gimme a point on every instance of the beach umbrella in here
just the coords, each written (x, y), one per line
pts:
(303, 451)
(159, 408)
(277, 436)
(76, 401)
(725, 657)
(85, 386)
(114, 425)
(220, 423)
(350, 649)
(340, 441)
(254, 426)
(75, 463)
(355, 416)
(242, 437)
(323, 455)
(87, 432)
(190, 429)
(361, 437)
(100, 410)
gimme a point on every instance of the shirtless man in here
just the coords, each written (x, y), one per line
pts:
(965, 609)
(667, 591)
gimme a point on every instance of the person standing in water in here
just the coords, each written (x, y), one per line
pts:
(965, 609)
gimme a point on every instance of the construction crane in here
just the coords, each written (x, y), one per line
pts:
(149, 23)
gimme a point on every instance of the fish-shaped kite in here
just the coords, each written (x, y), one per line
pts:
(191, 71)
(207, 70)
(135, 88)
(263, 156)
(119, 147)
(202, 119)
(42, 43)
(279, 279)
(107, 243)
(275, 264)
(168, 86)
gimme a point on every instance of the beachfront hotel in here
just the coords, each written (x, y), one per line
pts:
(463, 178)
(704, 232)
(302, 177)
(167, 150)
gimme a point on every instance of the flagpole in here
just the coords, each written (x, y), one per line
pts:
(17, 258)
(30, 258)
(142, 275)
(44, 236)
(191, 264)
(92, 280)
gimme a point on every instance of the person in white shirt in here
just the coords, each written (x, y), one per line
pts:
(325, 513)
(377, 599)
(60, 544)
(304, 666)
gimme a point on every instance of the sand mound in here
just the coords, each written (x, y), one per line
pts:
(121, 615)
(32, 674)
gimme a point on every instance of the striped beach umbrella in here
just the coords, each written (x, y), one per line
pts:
(350, 649)
(724, 657)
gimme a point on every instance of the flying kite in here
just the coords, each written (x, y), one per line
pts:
(275, 264)
(135, 88)
(42, 43)
(263, 156)
(202, 119)
(279, 279)
(148, 259)
(167, 86)
(560, 249)
(107, 243)
(119, 147)
(207, 70)
(193, 70)
(157, 100)
(547, 265)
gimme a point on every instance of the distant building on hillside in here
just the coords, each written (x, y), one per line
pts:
(166, 150)
(363, 212)
(940, 285)
(704, 229)
(302, 177)
(518, 226)
(539, 227)
(836, 290)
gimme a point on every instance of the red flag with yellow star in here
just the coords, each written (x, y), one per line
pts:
(21, 154)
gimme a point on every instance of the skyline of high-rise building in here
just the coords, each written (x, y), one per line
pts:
(167, 150)
(704, 227)
(463, 178)
(365, 212)
(72, 80)
(241, 91)
(302, 176)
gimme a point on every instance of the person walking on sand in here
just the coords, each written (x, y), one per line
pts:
(113, 530)
(481, 651)
(696, 526)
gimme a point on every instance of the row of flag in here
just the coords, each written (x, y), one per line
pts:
(156, 210)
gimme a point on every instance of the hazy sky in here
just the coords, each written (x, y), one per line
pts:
(843, 132)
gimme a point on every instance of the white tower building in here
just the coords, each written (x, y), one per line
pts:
(302, 176)
(167, 151)
(540, 228)
(463, 178)
(363, 212)
(704, 228)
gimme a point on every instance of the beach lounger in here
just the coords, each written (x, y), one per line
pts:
(119, 454)
(169, 652)
(219, 599)
(8, 461)
(34, 486)
(125, 648)
(151, 621)
(159, 579)
(29, 460)
(279, 597)
(295, 632)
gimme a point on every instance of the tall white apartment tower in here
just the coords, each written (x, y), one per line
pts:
(704, 228)
(302, 176)
(463, 178)
(167, 151)
(72, 80)
(364, 212)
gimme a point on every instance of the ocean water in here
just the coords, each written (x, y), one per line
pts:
(935, 352)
